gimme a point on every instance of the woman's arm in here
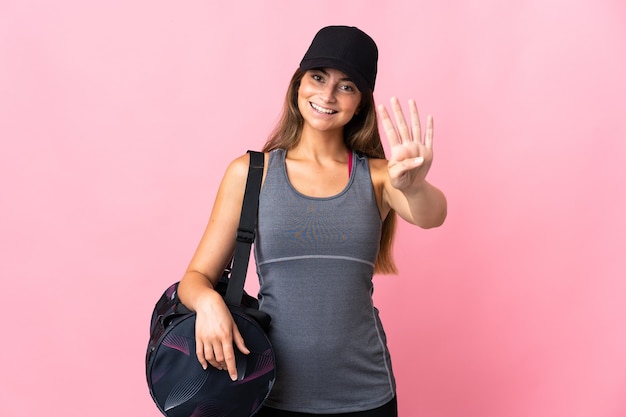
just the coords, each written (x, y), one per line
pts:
(215, 328)
(404, 185)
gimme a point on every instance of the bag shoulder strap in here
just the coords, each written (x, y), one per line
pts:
(245, 232)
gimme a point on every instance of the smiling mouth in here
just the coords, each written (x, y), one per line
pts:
(321, 109)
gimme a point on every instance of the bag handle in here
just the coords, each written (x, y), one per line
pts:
(245, 232)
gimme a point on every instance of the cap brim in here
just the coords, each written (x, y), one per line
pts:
(351, 72)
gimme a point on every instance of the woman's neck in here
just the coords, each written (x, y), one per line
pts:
(320, 145)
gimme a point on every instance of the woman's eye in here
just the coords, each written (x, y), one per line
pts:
(317, 77)
(347, 87)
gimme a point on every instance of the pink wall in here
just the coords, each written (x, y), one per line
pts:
(118, 118)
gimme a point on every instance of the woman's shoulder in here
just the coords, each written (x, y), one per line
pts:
(241, 162)
(378, 169)
(238, 168)
(239, 165)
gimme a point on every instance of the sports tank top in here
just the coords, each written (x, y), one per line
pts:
(315, 262)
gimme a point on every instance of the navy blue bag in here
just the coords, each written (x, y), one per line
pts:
(177, 383)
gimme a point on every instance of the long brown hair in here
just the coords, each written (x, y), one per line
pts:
(360, 134)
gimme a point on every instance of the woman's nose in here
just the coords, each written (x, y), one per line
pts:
(328, 93)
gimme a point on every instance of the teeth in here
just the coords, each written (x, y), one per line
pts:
(322, 109)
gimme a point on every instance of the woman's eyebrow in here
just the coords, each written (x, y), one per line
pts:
(346, 78)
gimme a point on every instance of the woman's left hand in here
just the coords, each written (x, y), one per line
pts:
(411, 154)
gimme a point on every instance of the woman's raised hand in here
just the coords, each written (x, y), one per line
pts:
(411, 154)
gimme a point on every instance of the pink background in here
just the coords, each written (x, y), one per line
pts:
(118, 118)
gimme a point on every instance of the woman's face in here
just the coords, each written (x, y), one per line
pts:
(327, 99)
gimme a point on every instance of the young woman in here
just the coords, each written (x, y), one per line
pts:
(325, 225)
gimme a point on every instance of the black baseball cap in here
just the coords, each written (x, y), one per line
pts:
(347, 49)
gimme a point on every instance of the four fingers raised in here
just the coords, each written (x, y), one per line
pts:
(400, 132)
